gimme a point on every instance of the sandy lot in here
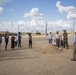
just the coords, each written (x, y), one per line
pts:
(25, 61)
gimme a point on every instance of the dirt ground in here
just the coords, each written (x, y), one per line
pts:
(25, 61)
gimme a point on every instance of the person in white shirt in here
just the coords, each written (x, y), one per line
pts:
(62, 43)
(58, 37)
(50, 38)
(54, 40)
(74, 47)
(16, 40)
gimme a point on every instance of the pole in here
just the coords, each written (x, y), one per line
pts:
(46, 29)
(18, 30)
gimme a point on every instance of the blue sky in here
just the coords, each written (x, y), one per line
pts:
(14, 10)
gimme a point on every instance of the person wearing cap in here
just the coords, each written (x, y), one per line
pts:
(74, 47)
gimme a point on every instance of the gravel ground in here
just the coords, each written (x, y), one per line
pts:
(25, 61)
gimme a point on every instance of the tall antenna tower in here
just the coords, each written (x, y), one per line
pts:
(46, 29)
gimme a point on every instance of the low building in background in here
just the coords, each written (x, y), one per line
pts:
(7, 32)
(38, 33)
(2, 33)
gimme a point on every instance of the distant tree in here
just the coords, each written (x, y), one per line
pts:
(28, 33)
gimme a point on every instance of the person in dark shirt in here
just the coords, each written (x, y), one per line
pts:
(12, 42)
(6, 40)
(0, 41)
(30, 40)
(19, 39)
(65, 39)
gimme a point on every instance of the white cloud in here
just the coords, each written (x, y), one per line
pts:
(59, 25)
(71, 15)
(21, 22)
(37, 20)
(34, 14)
(1, 10)
(28, 26)
(70, 10)
(32, 25)
(3, 1)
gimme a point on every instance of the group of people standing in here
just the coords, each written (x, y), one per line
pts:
(55, 39)
(62, 40)
(15, 39)
(58, 39)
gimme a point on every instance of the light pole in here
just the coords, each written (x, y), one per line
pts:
(37, 21)
(19, 25)
(19, 28)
